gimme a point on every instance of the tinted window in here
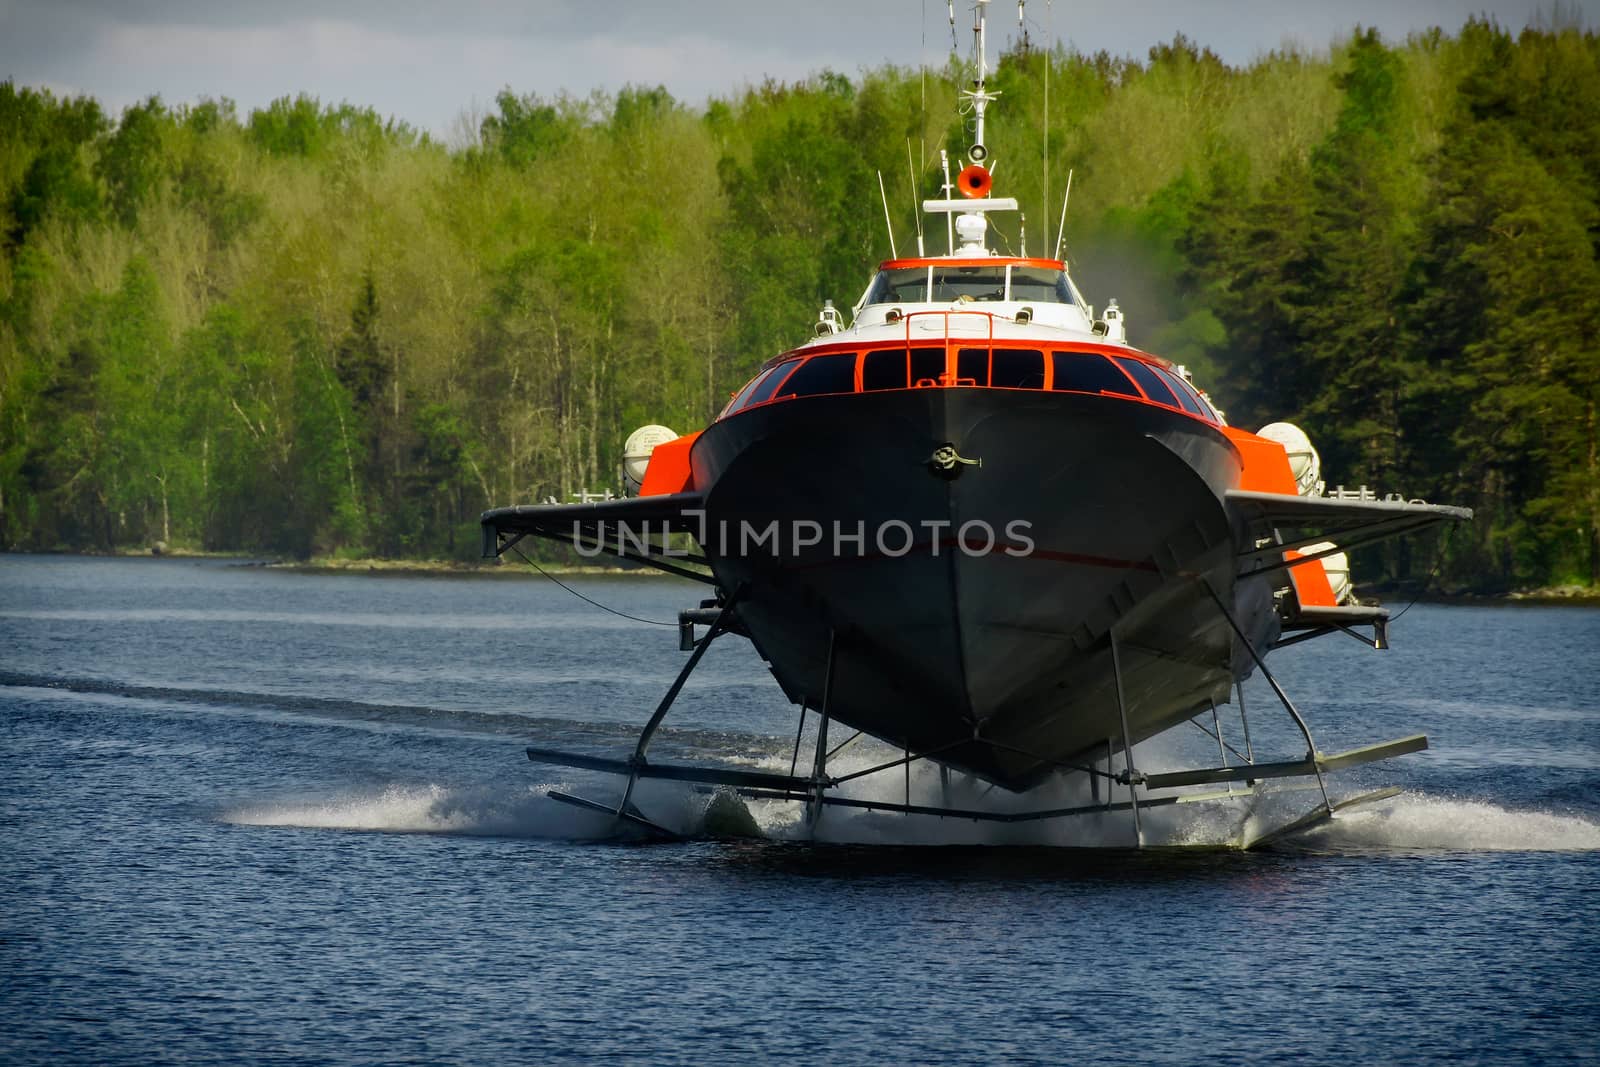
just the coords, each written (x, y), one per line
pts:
(1186, 398)
(1187, 390)
(744, 394)
(926, 364)
(823, 374)
(1149, 381)
(1089, 372)
(764, 391)
(1017, 368)
(973, 363)
(884, 370)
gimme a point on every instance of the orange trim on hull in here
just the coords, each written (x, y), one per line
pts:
(1266, 464)
(1266, 470)
(669, 470)
(1311, 586)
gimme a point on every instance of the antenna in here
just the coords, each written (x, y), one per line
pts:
(1049, 38)
(922, 128)
(1061, 231)
(887, 224)
(949, 221)
(911, 172)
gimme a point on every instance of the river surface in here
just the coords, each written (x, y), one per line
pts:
(256, 816)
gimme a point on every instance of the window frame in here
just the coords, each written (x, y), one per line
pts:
(855, 375)
(1134, 392)
(1129, 362)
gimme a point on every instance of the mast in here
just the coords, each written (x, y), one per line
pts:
(978, 94)
(967, 216)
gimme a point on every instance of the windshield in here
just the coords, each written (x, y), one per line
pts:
(973, 283)
(1038, 285)
(904, 285)
(941, 284)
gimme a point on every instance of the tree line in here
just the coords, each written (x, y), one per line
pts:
(311, 330)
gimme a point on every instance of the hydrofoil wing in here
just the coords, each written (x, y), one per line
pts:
(1278, 524)
(638, 528)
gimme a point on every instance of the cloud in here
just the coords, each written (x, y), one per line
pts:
(425, 62)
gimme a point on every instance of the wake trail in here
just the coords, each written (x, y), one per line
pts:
(430, 809)
(472, 810)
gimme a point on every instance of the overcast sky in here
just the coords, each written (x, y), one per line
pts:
(428, 63)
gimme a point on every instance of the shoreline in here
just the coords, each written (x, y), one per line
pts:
(453, 568)
(373, 566)
(1570, 595)
(1558, 596)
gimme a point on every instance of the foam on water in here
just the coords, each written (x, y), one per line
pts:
(1419, 821)
(1208, 825)
(1409, 822)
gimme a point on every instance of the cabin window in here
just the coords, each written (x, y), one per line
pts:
(927, 364)
(763, 392)
(1017, 368)
(884, 370)
(972, 364)
(743, 398)
(1186, 396)
(1149, 381)
(1088, 372)
(834, 373)
(903, 285)
(971, 283)
(1038, 285)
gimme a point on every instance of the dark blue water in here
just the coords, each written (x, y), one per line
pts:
(261, 817)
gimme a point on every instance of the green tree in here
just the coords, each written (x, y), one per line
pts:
(130, 160)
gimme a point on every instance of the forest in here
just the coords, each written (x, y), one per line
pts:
(312, 331)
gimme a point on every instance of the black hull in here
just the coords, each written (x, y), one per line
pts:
(998, 661)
